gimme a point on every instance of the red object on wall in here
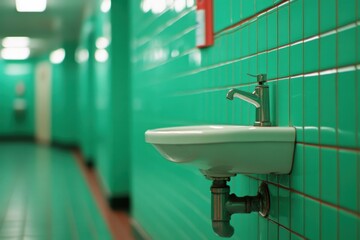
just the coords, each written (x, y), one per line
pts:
(204, 18)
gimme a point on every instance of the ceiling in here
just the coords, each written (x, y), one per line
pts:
(60, 22)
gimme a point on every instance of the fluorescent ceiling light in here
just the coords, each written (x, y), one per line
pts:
(14, 42)
(102, 42)
(30, 5)
(15, 53)
(105, 6)
(57, 56)
(82, 55)
(101, 55)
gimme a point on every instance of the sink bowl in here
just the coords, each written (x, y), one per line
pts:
(225, 150)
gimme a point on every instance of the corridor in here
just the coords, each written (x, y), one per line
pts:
(44, 195)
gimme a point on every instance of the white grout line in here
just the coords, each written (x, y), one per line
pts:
(346, 27)
(327, 72)
(311, 74)
(346, 69)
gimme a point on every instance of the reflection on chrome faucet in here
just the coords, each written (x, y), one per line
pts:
(259, 98)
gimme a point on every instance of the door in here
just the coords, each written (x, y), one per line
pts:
(43, 102)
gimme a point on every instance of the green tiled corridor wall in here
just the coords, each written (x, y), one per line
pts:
(310, 51)
(11, 74)
(104, 98)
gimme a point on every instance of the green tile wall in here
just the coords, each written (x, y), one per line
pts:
(64, 97)
(104, 97)
(309, 51)
(13, 73)
(86, 91)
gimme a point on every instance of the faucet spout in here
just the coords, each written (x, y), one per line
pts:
(259, 98)
(248, 97)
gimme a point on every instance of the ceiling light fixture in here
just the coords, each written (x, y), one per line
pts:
(105, 6)
(101, 55)
(57, 56)
(102, 42)
(15, 53)
(16, 42)
(30, 5)
(82, 55)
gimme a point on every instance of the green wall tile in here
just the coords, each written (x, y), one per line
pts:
(358, 105)
(297, 173)
(284, 234)
(346, 109)
(283, 102)
(347, 226)
(311, 109)
(312, 219)
(328, 222)
(329, 176)
(328, 51)
(312, 171)
(253, 68)
(272, 29)
(237, 41)
(253, 37)
(236, 11)
(296, 59)
(262, 5)
(272, 66)
(346, 12)
(273, 106)
(347, 174)
(274, 198)
(244, 41)
(263, 228)
(328, 116)
(297, 213)
(311, 55)
(296, 20)
(357, 40)
(273, 230)
(262, 63)
(295, 237)
(284, 207)
(262, 33)
(244, 70)
(283, 25)
(345, 47)
(222, 14)
(327, 15)
(248, 8)
(311, 9)
(283, 62)
(296, 106)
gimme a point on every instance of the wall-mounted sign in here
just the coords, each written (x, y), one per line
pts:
(204, 19)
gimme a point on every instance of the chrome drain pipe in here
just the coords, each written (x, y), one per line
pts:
(224, 204)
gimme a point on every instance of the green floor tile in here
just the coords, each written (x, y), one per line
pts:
(49, 197)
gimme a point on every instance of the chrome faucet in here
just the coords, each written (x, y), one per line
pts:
(259, 98)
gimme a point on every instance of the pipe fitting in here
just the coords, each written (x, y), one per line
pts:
(224, 204)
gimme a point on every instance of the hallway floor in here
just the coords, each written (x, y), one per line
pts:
(44, 195)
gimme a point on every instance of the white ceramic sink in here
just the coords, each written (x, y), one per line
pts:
(225, 150)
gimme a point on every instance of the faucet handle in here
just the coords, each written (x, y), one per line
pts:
(261, 78)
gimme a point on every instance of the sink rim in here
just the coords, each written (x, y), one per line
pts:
(203, 134)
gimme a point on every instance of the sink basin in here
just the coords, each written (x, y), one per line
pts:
(225, 150)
